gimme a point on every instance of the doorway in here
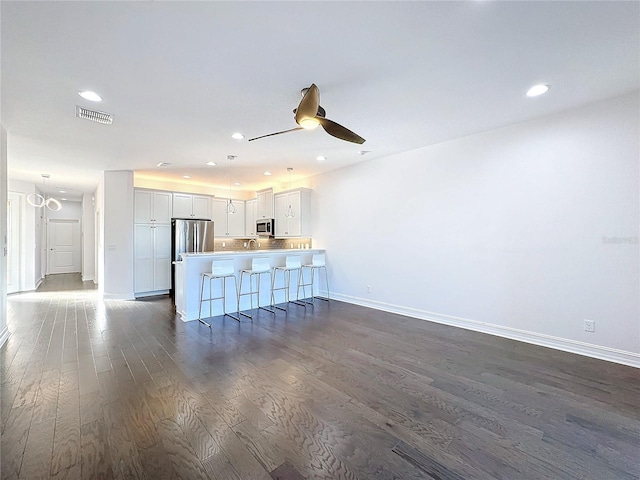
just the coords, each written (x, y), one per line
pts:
(63, 246)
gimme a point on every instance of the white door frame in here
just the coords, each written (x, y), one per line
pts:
(15, 245)
(77, 239)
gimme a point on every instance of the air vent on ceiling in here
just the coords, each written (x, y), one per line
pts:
(94, 115)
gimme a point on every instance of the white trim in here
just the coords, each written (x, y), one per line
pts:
(4, 336)
(151, 294)
(118, 296)
(572, 346)
(89, 278)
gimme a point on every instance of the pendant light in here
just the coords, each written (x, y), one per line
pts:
(231, 208)
(290, 213)
(38, 201)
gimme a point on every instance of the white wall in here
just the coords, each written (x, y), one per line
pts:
(88, 238)
(4, 331)
(116, 206)
(508, 231)
(32, 246)
(69, 211)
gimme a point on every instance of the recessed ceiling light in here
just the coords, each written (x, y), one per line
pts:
(237, 136)
(63, 199)
(163, 164)
(267, 173)
(186, 176)
(537, 90)
(62, 191)
(212, 164)
(91, 96)
(321, 158)
(237, 183)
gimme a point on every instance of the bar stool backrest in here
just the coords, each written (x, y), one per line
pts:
(293, 261)
(223, 266)
(260, 264)
(318, 260)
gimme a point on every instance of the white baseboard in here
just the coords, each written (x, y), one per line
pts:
(38, 283)
(4, 336)
(89, 278)
(151, 294)
(118, 296)
(589, 350)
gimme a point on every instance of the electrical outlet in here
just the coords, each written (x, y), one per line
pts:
(589, 326)
(368, 288)
(245, 244)
(224, 244)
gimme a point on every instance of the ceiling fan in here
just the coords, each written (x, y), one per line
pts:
(310, 114)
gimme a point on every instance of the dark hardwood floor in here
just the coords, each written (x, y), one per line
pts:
(98, 389)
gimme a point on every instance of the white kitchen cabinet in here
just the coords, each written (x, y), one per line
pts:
(300, 224)
(152, 258)
(152, 207)
(191, 206)
(250, 213)
(228, 224)
(265, 203)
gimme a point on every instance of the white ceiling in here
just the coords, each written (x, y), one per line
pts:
(181, 77)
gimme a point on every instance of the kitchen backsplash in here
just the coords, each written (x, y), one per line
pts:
(238, 244)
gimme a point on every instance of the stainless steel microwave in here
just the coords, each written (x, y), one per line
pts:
(265, 227)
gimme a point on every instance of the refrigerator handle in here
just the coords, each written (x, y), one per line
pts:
(196, 236)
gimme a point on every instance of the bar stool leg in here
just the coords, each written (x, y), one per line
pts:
(270, 310)
(240, 294)
(224, 297)
(273, 289)
(297, 301)
(326, 279)
(201, 295)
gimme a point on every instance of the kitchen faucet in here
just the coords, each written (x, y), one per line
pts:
(249, 243)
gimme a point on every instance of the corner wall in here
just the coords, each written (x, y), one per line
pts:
(4, 331)
(116, 229)
(523, 232)
(88, 238)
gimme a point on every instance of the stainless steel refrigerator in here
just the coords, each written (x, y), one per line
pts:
(189, 236)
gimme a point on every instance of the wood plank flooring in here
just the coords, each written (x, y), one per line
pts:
(95, 389)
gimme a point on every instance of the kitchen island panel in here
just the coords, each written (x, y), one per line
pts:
(191, 266)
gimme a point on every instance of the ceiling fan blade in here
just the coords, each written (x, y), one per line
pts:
(308, 107)
(338, 131)
(277, 133)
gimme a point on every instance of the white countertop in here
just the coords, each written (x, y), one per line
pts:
(221, 253)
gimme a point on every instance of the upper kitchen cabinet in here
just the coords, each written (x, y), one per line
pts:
(228, 224)
(152, 207)
(250, 213)
(191, 206)
(294, 222)
(265, 204)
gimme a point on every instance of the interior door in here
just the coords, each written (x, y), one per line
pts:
(63, 244)
(13, 242)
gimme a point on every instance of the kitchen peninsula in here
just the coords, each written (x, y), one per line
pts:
(191, 266)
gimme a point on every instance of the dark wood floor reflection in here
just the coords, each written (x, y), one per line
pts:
(121, 389)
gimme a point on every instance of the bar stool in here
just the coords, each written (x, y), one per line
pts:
(220, 269)
(259, 266)
(292, 263)
(317, 263)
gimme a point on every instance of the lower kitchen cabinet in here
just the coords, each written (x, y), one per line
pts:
(152, 258)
